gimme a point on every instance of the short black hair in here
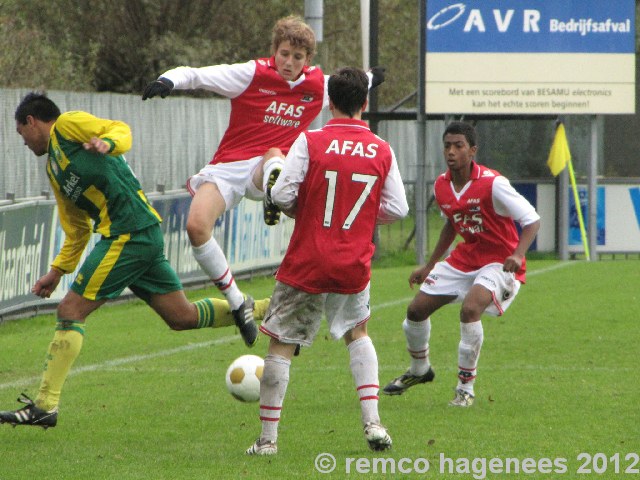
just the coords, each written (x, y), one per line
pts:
(348, 89)
(462, 128)
(39, 106)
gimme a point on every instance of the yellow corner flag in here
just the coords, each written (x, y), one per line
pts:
(559, 158)
(559, 155)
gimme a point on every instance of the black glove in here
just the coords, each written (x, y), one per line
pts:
(378, 76)
(162, 86)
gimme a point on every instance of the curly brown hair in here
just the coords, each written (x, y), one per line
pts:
(296, 31)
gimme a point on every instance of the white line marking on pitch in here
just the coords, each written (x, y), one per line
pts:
(193, 346)
(123, 361)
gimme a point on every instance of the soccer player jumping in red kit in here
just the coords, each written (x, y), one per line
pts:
(272, 101)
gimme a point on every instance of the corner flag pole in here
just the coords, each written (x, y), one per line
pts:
(576, 201)
(559, 158)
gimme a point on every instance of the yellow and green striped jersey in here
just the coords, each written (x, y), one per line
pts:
(93, 191)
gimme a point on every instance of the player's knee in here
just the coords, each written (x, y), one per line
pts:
(63, 310)
(414, 316)
(470, 312)
(70, 308)
(416, 313)
(355, 333)
(273, 152)
(196, 232)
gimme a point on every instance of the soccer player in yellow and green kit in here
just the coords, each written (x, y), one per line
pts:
(96, 191)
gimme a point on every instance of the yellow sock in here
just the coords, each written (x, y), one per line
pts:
(215, 312)
(260, 309)
(62, 352)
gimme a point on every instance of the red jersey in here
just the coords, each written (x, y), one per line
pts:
(270, 112)
(344, 172)
(488, 236)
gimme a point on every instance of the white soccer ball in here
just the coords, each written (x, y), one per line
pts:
(243, 378)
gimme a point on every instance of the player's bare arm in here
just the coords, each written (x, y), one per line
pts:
(514, 261)
(447, 236)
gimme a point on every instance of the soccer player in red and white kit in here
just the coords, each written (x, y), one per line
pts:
(483, 272)
(272, 101)
(338, 182)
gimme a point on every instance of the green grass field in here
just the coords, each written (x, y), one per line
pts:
(556, 393)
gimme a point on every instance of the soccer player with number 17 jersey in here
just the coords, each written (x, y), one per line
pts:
(338, 182)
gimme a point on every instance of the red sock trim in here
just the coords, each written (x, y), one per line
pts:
(369, 397)
(367, 386)
(221, 276)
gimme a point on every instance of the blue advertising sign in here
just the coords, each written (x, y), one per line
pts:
(530, 56)
(560, 26)
(634, 192)
(575, 236)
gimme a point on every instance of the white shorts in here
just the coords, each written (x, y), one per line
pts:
(234, 180)
(294, 316)
(446, 280)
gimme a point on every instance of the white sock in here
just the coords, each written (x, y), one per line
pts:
(471, 337)
(273, 387)
(268, 167)
(417, 335)
(211, 259)
(364, 368)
